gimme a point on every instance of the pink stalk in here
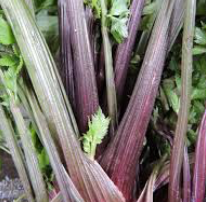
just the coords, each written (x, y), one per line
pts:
(199, 176)
(122, 155)
(124, 50)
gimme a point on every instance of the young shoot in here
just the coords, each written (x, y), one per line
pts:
(98, 128)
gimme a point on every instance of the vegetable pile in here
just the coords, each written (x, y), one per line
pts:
(104, 100)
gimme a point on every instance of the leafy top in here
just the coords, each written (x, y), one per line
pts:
(98, 127)
(117, 17)
(6, 35)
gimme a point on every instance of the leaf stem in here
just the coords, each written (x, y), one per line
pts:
(17, 156)
(182, 123)
(111, 92)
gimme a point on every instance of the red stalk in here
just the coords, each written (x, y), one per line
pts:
(199, 176)
(124, 50)
(67, 68)
(86, 95)
(121, 157)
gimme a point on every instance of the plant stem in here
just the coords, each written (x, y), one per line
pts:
(186, 177)
(124, 50)
(199, 175)
(111, 92)
(30, 4)
(69, 193)
(143, 42)
(177, 21)
(17, 156)
(90, 180)
(125, 148)
(36, 176)
(67, 65)
(86, 93)
(30, 154)
(182, 123)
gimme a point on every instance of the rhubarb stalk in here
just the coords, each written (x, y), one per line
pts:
(121, 157)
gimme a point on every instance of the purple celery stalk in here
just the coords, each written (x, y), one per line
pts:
(163, 177)
(199, 175)
(86, 94)
(91, 32)
(122, 154)
(124, 50)
(186, 177)
(176, 25)
(182, 123)
(177, 21)
(66, 68)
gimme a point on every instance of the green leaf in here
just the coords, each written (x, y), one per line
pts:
(171, 93)
(174, 101)
(147, 22)
(43, 4)
(43, 159)
(118, 16)
(98, 128)
(11, 74)
(96, 6)
(199, 94)
(9, 60)
(150, 8)
(197, 50)
(6, 35)
(200, 36)
(119, 29)
(119, 8)
(201, 4)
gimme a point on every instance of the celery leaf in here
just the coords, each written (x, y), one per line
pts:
(98, 128)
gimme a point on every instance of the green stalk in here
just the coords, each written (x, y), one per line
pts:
(17, 156)
(28, 147)
(88, 176)
(111, 92)
(30, 4)
(68, 194)
(182, 123)
(30, 154)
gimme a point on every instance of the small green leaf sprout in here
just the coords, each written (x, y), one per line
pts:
(98, 128)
